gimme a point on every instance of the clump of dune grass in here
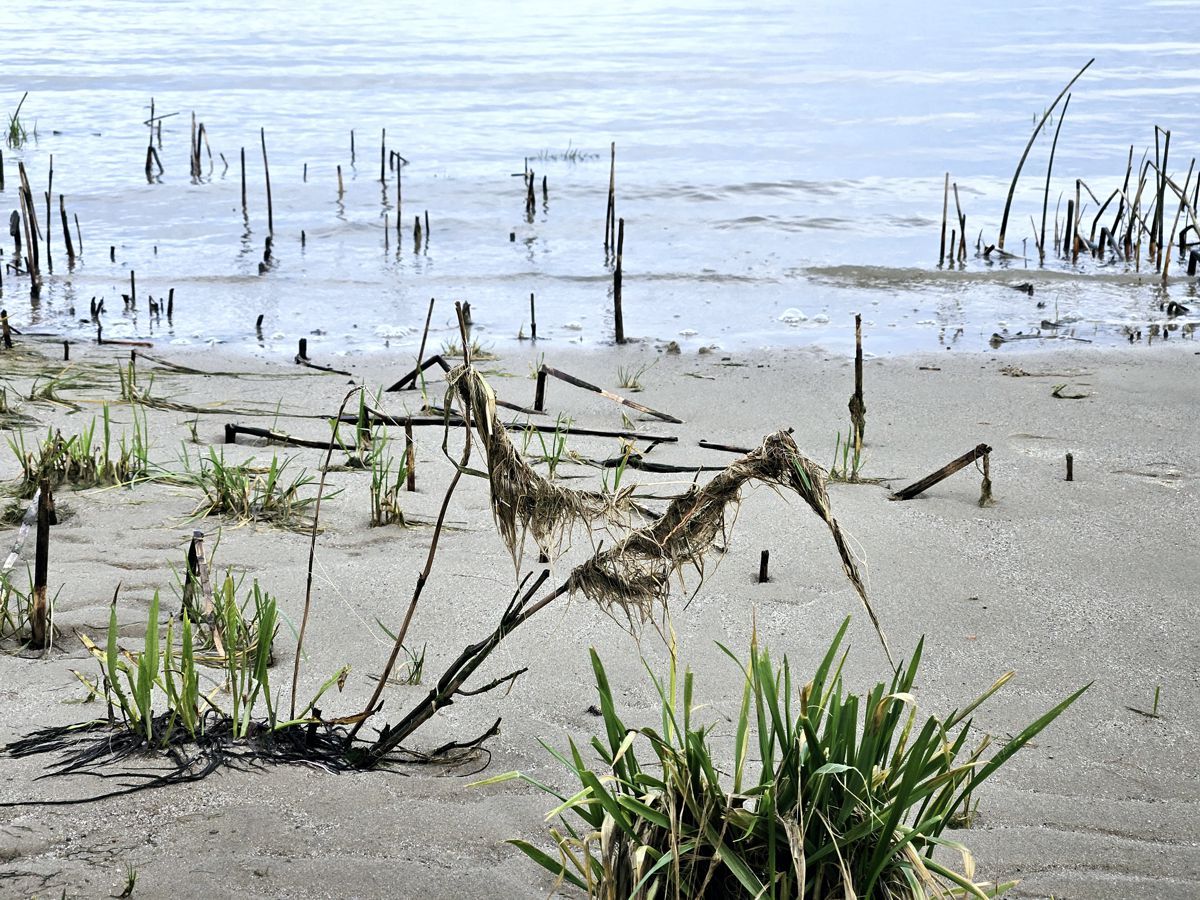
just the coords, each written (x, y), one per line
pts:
(387, 481)
(630, 377)
(850, 454)
(830, 794)
(247, 493)
(85, 459)
(195, 713)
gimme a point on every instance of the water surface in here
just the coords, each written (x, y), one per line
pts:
(778, 168)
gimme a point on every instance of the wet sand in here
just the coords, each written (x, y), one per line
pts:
(1067, 583)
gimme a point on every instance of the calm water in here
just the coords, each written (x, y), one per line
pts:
(778, 168)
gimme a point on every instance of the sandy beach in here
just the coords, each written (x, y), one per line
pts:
(1066, 583)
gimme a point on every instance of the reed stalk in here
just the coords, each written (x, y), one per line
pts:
(1037, 130)
(1046, 191)
(267, 177)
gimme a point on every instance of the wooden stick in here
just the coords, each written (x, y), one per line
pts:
(960, 252)
(32, 253)
(616, 398)
(62, 210)
(78, 233)
(49, 193)
(425, 333)
(379, 418)
(243, 181)
(945, 213)
(40, 634)
(1068, 228)
(611, 208)
(725, 448)
(539, 394)
(858, 409)
(763, 560)
(1182, 203)
(232, 430)
(410, 457)
(383, 157)
(410, 380)
(919, 487)
(423, 577)
(532, 318)
(618, 316)
(1070, 467)
(1074, 225)
(267, 177)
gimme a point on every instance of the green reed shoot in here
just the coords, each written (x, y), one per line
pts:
(850, 454)
(552, 451)
(250, 494)
(630, 377)
(386, 488)
(16, 135)
(248, 673)
(619, 471)
(414, 661)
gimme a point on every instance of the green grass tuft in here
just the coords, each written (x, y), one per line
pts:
(824, 793)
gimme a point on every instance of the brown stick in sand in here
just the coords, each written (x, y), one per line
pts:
(858, 408)
(616, 398)
(919, 487)
(38, 619)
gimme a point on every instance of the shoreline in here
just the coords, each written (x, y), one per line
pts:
(1064, 582)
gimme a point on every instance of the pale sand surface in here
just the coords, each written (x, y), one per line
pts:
(1066, 583)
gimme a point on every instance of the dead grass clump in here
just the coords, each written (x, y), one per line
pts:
(635, 574)
(523, 502)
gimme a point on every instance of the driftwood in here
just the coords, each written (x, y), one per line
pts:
(858, 407)
(595, 389)
(303, 360)
(232, 430)
(378, 418)
(724, 448)
(638, 461)
(919, 487)
(40, 633)
(409, 381)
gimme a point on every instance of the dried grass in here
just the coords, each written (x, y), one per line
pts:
(633, 576)
(524, 502)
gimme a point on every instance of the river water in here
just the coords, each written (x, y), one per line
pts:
(778, 168)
